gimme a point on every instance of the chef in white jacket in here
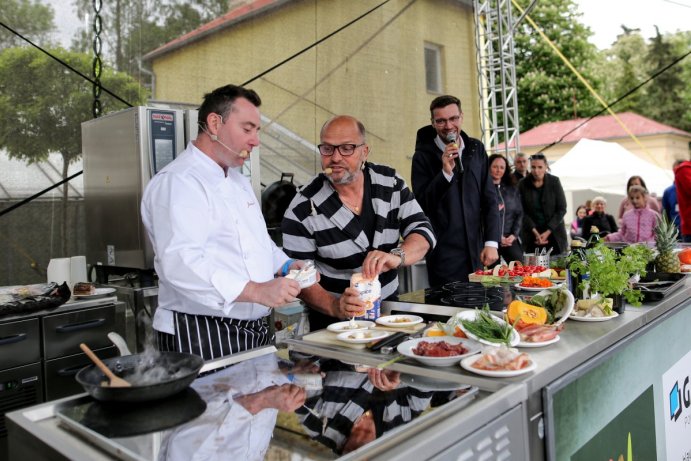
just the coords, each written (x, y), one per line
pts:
(219, 271)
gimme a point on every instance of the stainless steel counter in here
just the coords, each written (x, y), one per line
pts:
(506, 407)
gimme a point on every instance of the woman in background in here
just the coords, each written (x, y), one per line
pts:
(626, 204)
(577, 224)
(599, 222)
(510, 208)
(544, 207)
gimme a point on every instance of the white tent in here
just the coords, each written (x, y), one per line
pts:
(593, 168)
(605, 167)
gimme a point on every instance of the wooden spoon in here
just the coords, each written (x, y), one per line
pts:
(115, 381)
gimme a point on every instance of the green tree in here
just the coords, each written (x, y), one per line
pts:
(547, 89)
(623, 67)
(42, 105)
(664, 97)
(132, 28)
(30, 18)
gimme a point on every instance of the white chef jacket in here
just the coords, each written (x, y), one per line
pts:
(209, 239)
(226, 430)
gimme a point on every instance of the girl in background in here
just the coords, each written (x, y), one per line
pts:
(637, 224)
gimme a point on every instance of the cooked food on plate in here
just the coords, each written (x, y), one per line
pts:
(84, 289)
(502, 358)
(361, 335)
(439, 349)
(401, 320)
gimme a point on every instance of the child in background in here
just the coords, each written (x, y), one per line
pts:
(637, 224)
(577, 224)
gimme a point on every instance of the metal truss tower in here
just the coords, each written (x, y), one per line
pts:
(497, 76)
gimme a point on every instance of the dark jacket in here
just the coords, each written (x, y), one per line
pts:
(604, 222)
(464, 211)
(553, 206)
(512, 212)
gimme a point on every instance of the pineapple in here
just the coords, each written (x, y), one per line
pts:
(666, 239)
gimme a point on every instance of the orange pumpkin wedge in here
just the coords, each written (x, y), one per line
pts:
(526, 313)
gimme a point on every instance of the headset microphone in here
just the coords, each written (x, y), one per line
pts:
(214, 138)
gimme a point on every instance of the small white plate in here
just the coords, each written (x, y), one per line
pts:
(470, 315)
(540, 344)
(99, 293)
(362, 337)
(340, 327)
(406, 348)
(467, 364)
(519, 287)
(395, 320)
(594, 319)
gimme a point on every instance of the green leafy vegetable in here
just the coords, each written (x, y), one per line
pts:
(486, 326)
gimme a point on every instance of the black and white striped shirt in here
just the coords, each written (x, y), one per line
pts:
(318, 226)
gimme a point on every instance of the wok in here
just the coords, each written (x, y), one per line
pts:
(153, 376)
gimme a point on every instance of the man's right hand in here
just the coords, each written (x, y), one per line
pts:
(448, 158)
(274, 293)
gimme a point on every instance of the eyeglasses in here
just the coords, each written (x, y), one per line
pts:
(537, 157)
(444, 121)
(344, 149)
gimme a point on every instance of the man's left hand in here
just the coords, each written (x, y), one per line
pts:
(377, 262)
(384, 380)
(488, 256)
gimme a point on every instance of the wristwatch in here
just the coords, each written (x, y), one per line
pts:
(400, 253)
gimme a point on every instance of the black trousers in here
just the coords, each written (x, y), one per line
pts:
(212, 337)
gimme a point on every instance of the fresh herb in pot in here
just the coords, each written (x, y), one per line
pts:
(610, 272)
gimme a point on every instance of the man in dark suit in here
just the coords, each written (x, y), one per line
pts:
(451, 181)
(520, 166)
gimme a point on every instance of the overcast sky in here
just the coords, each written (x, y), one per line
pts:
(604, 17)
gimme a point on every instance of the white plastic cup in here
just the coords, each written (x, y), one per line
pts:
(59, 271)
(77, 270)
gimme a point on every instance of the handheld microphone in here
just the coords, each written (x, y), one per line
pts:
(451, 138)
(214, 138)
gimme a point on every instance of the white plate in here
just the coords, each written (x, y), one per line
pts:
(406, 348)
(519, 287)
(566, 310)
(352, 337)
(99, 292)
(467, 362)
(340, 327)
(594, 319)
(390, 320)
(540, 344)
(470, 315)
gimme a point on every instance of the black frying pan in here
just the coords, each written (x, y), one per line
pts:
(152, 376)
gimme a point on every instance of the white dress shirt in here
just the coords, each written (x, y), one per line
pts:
(209, 239)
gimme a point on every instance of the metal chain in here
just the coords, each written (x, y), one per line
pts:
(97, 65)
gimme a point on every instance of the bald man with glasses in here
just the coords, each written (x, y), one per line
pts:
(351, 218)
(451, 181)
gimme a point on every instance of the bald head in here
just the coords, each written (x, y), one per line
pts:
(340, 122)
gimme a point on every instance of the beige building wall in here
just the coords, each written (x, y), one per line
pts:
(373, 70)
